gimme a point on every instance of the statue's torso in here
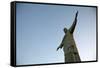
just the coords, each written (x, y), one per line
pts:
(69, 43)
(70, 49)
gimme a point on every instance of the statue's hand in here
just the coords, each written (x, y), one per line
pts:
(61, 45)
(58, 48)
(76, 14)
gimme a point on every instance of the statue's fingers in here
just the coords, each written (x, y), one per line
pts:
(57, 48)
(76, 13)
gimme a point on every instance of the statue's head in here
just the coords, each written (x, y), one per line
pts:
(65, 30)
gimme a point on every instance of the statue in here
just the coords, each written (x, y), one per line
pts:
(68, 44)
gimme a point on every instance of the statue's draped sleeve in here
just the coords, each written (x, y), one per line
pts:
(72, 28)
(62, 43)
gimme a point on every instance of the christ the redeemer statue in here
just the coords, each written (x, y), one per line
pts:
(68, 44)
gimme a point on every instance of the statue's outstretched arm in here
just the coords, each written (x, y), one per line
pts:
(74, 24)
(61, 45)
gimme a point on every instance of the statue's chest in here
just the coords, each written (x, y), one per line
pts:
(69, 38)
(68, 41)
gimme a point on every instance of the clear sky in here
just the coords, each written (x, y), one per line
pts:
(39, 31)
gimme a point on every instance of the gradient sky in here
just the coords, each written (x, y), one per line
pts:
(39, 31)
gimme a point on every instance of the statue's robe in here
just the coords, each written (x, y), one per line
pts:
(69, 47)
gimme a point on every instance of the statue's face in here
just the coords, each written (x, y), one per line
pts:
(65, 30)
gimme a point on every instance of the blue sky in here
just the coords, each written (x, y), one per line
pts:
(40, 31)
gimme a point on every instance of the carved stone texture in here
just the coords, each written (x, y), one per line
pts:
(68, 44)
